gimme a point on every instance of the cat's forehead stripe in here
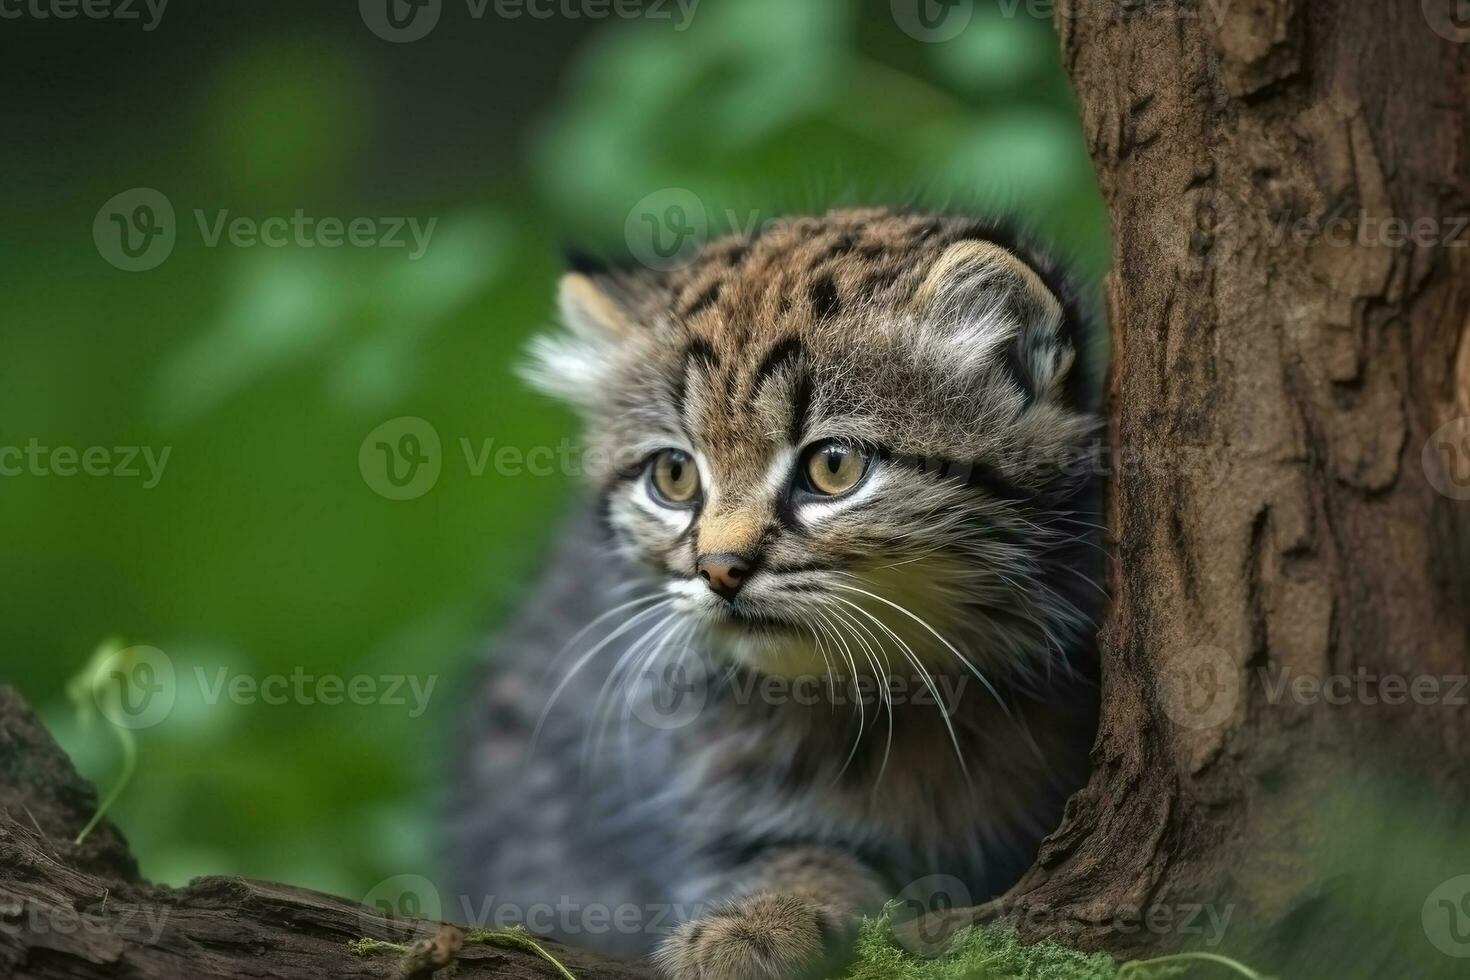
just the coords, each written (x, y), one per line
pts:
(785, 351)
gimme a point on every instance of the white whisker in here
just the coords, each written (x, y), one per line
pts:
(913, 660)
(581, 663)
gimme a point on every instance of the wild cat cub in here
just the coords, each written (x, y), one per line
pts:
(834, 634)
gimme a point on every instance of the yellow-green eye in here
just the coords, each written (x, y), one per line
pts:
(834, 467)
(675, 477)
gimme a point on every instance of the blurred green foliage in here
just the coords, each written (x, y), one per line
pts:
(262, 549)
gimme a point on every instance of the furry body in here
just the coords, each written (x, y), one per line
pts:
(665, 761)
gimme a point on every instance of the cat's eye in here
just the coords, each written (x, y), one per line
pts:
(831, 468)
(674, 477)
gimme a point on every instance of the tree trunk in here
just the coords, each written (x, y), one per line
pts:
(1283, 363)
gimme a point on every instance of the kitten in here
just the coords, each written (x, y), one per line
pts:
(827, 635)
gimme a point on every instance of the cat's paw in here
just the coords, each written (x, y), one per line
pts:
(769, 936)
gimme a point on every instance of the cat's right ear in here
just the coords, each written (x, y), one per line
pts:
(593, 307)
(572, 365)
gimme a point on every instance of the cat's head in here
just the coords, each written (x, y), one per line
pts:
(861, 434)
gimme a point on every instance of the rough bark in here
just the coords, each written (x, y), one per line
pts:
(1280, 359)
(83, 912)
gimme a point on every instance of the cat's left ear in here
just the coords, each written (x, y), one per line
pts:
(986, 308)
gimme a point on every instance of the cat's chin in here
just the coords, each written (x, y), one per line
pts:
(768, 646)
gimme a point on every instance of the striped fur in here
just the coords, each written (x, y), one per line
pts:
(956, 358)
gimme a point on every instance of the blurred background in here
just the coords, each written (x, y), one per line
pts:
(196, 382)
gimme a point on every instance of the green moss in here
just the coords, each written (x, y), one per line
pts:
(992, 953)
(977, 953)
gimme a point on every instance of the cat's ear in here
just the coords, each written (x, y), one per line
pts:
(984, 308)
(598, 311)
(594, 306)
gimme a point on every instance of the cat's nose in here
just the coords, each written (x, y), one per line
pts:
(725, 572)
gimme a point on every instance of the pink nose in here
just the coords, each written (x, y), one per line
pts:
(725, 573)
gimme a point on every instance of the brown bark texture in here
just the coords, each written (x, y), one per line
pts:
(1289, 187)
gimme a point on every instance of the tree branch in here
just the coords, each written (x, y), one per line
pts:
(84, 911)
